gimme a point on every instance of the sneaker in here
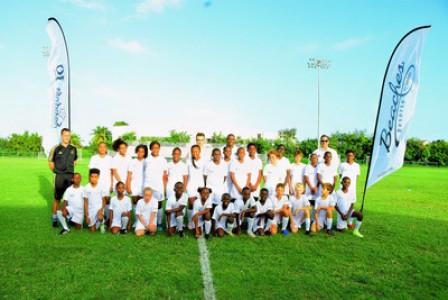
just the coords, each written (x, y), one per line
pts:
(54, 222)
(102, 228)
(159, 228)
(251, 234)
(307, 232)
(330, 232)
(230, 233)
(181, 234)
(285, 232)
(64, 232)
(207, 236)
(357, 233)
(123, 231)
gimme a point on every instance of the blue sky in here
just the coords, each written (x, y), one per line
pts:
(238, 66)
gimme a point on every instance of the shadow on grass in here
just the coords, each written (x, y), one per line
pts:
(46, 190)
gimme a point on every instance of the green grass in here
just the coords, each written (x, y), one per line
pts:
(403, 254)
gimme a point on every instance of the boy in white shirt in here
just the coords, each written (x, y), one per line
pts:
(264, 217)
(94, 202)
(310, 177)
(300, 209)
(239, 173)
(282, 210)
(177, 171)
(202, 213)
(156, 177)
(296, 171)
(228, 157)
(326, 172)
(350, 169)
(324, 210)
(175, 210)
(146, 212)
(103, 162)
(120, 162)
(255, 166)
(245, 208)
(215, 174)
(73, 207)
(195, 180)
(344, 206)
(224, 216)
(120, 211)
(285, 165)
(273, 173)
(134, 184)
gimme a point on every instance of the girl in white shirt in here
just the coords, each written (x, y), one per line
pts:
(228, 157)
(273, 173)
(239, 173)
(134, 182)
(215, 173)
(177, 172)
(195, 181)
(296, 172)
(103, 162)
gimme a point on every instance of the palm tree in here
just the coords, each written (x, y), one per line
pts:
(101, 134)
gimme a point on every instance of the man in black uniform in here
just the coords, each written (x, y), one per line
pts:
(62, 160)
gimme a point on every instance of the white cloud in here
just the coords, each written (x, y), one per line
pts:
(156, 6)
(89, 4)
(351, 43)
(131, 47)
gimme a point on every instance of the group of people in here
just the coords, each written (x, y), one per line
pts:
(209, 191)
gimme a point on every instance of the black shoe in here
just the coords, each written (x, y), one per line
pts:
(207, 236)
(330, 232)
(55, 223)
(181, 234)
(307, 232)
(123, 231)
(64, 232)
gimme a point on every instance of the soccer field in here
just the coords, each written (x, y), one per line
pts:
(403, 253)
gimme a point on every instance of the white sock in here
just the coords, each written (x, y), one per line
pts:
(208, 226)
(329, 223)
(180, 223)
(159, 216)
(230, 226)
(358, 225)
(350, 221)
(190, 218)
(62, 220)
(307, 224)
(124, 222)
(250, 224)
(55, 216)
(285, 223)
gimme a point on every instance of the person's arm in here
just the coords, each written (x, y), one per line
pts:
(128, 183)
(111, 217)
(288, 177)
(111, 181)
(86, 210)
(235, 183)
(165, 180)
(259, 177)
(205, 180)
(116, 175)
(185, 179)
(319, 179)
(142, 220)
(335, 178)
(248, 179)
(64, 208)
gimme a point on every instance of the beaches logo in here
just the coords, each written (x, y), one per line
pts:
(59, 108)
(404, 81)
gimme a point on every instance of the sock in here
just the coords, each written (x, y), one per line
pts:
(62, 220)
(180, 223)
(250, 224)
(55, 216)
(329, 223)
(285, 223)
(350, 221)
(159, 216)
(307, 224)
(124, 222)
(230, 226)
(190, 218)
(358, 225)
(208, 226)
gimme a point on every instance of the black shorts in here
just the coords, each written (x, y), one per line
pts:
(61, 183)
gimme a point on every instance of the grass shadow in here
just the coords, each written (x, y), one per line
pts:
(46, 190)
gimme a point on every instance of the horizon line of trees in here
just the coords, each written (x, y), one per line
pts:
(418, 150)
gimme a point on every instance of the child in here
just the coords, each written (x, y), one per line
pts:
(245, 208)
(324, 210)
(215, 174)
(175, 210)
(284, 165)
(255, 167)
(120, 211)
(201, 213)
(146, 212)
(273, 173)
(264, 216)
(103, 162)
(239, 173)
(195, 167)
(120, 162)
(326, 172)
(94, 202)
(310, 177)
(156, 177)
(344, 206)
(177, 172)
(73, 206)
(351, 170)
(228, 157)
(300, 207)
(282, 210)
(296, 171)
(224, 216)
(134, 184)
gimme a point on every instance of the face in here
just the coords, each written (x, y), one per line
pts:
(123, 149)
(216, 156)
(195, 153)
(204, 194)
(176, 156)
(314, 160)
(298, 158)
(264, 195)
(200, 140)
(325, 192)
(141, 153)
(77, 179)
(230, 140)
(65, 137)
(147, 196)
(350, 157)
(179, 189)
(281, 150)
(227, 152)
(102, 149)
(155, 150)
(225, 201)
(327, 158)
(252, 150)
(246, 194)
(300, 190)
(241, 153)
(120, 189)
(346, 183)
(279, 191)
(273, 158)
(324, 142)
(93, 178)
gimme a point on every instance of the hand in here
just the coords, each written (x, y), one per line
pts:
(129, 191)
(88, 220)
(240, 190)
(344, 217)
(314, 190)
(111, 190)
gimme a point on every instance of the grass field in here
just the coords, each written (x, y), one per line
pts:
(404, 253)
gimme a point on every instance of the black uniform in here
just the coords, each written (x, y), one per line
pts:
(64, 166)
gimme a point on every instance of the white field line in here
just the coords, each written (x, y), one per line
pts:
(207, 277)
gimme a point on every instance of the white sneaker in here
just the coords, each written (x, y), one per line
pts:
(251, 234)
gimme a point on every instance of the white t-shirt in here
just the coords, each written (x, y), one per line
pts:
(297, 172)
(121, 164)
(120, 206)
(228, 183)
(351, 171)
(75, 198)
(240, 171)
(240, 205)
(216, 173)
(299, 203)
(329, 201)
(311, 173)
(254, 166)
(199, 206)
(146, 209)
(327, 173)
(176, 173)
(94, 197)
(334, 156)
(285, 165)
(279, 203)
(262, 208)
(173, 203)
(344, 201)
(273, 175)
(136, 168)
(104, 164)
(195, 176)
(219, 210)
(154, 170)
(206, 153)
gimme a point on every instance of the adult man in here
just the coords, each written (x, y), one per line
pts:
(231, 143)
(324, 142)
(62, 160)
(206, 149)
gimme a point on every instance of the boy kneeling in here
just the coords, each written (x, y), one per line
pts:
(146, 213)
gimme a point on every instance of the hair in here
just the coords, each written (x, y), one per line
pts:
(346, 178)
(313, 154)
(147, 189)
(200, 134)
(298, 152)
(192, 158)
(280, 146)
(145, 149)
(350, 151)
(176, 149)
(280, 185)
(230, 134)
(76, 173)
(324, 136)
(264, 190)
(64, 130)
(245, 189)
(94, 171)
(117, 143)
(215, 150)
(179, 182)
(118, 183)
(328, 187)
(240, 149)
(153, 143)
(204, 188)
(273, 152)
(226, 195)
(250, 145)
(224, 148)
(327, 153)
(299, 185)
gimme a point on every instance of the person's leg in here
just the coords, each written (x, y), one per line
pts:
(270, 227)
(285, 214)
(329, 221)
(220, 232)
(230, 223)
(124, 223)
(207, 225)
(358, 215)
(160, 213)
(180, 222)
(140, 232)
(62, 220)
(306, 214)
(250, 224)
(115, 230)
(191, 224)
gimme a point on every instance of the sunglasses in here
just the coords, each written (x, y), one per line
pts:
(324, 141)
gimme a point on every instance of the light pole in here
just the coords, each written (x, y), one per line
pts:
(317, 63)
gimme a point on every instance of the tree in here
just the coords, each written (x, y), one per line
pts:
(120, 123)
(101, 134)
(217, 138)
(76, 140)
(288, 134)
(129, 137)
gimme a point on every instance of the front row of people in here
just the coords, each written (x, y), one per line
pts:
(263, 216)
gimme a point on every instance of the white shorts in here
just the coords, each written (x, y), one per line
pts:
(116, 221)
(221, 223)
(299, 219)
(75, 215)
(139, 225)
(341, 224)
(173, 220)
(216, 198)
(93, 215)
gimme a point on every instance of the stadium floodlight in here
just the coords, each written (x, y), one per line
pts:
(318, 64)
